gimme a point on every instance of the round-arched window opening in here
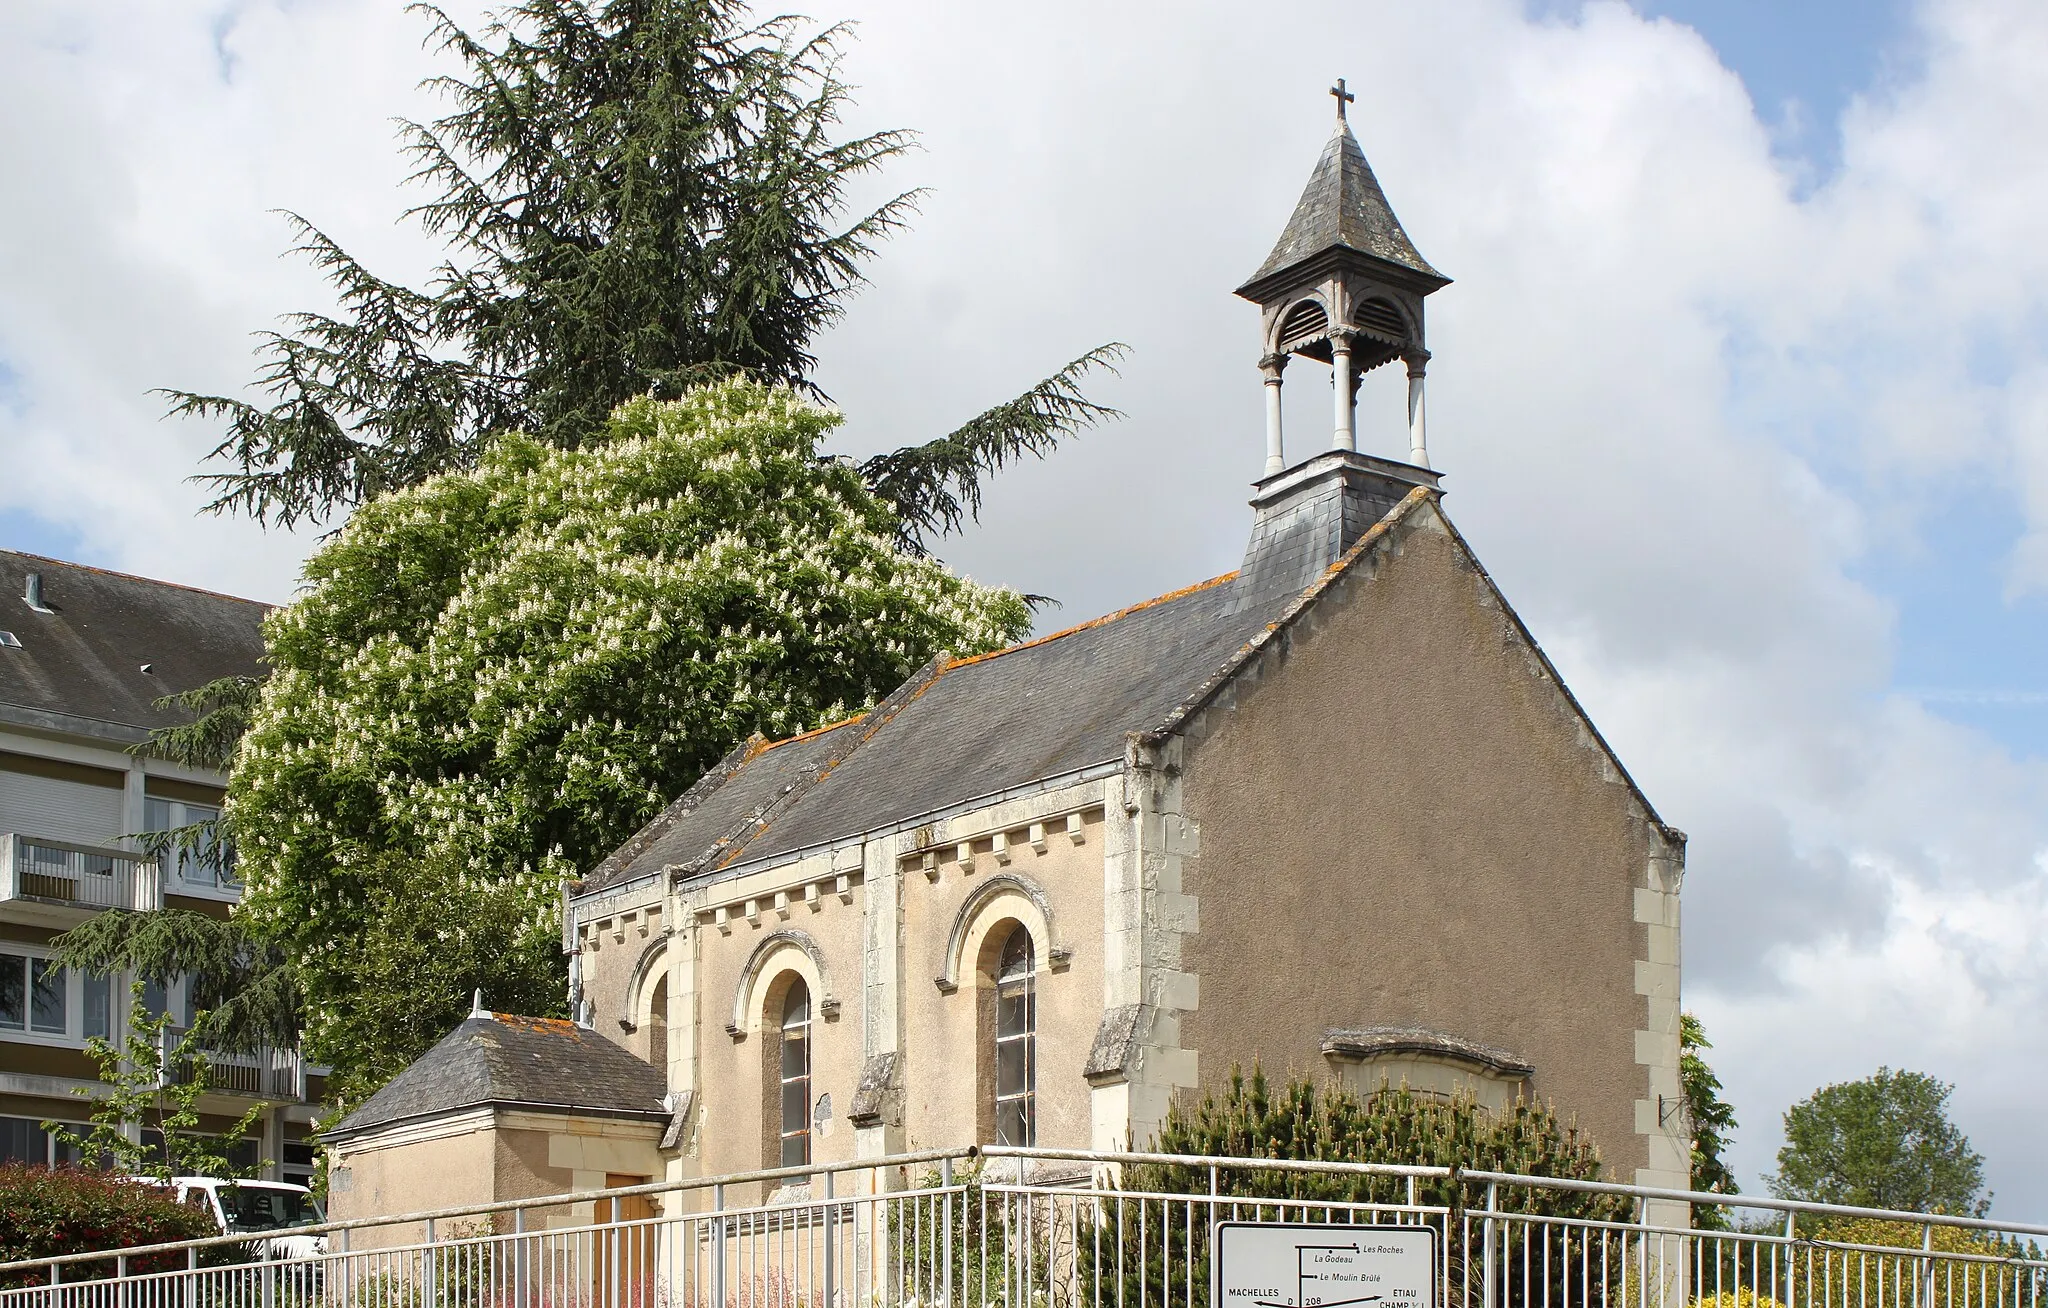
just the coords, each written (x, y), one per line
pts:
(1016, 1032)
(795, 1064)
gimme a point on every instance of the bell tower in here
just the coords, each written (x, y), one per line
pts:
(1345, 287)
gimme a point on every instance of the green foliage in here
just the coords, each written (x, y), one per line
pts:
(493, 678)
(48, 1212)
(1882, 1142)
(1331, 1124)
(1954, 1282)
(144, 1085)
(1713, 1123)
(978, 1243)
(635, 197)
(220, 714)
(245, 987)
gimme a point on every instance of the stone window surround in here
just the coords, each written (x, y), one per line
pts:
(787, 950)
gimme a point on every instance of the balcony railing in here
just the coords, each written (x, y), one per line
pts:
(265, 1073)
(77, 876)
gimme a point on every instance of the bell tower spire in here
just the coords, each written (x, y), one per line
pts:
(1344, 286)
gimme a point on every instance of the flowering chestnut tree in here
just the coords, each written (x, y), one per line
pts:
(494, 677)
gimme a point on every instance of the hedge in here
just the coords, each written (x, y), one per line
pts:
(47, 1211)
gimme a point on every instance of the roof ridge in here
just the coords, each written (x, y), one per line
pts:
(1300, 604)
(806, 735)
(1092, 623)
(134, 576)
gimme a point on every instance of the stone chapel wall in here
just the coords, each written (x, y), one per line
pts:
(1401, 822)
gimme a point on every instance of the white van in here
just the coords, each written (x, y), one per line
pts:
(252, 1207)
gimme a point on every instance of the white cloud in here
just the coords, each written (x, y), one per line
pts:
(1678, 393)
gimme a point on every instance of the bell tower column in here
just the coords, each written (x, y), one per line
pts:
(1344, 385)
(1418, 424)
(1273, 365)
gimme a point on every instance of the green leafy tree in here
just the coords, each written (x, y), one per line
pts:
(494, 677)
(634, 196)
(148, 1083)
(1882, 1142)
(1713, 1123)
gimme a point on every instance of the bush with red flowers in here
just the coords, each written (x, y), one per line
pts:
(46, 1211)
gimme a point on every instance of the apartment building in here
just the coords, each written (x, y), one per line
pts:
(84, 656)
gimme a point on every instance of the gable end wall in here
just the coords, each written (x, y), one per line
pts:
(1398, 817)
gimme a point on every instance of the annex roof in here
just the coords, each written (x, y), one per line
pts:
(962, 729)
(501, 1059)
(106, 645)
(1343, 207)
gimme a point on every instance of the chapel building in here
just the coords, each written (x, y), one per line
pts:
(1334, 813)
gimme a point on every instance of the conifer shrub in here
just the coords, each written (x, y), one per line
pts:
(49, 1211)
(1159, 1248)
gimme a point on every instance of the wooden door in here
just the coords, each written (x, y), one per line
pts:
(623, 1265)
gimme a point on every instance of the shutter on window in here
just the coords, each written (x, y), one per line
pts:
(60, 810)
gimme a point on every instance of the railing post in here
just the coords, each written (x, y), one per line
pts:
(521, 1260)
(1927, 1265)
(946, 1275)
(1791, 1252)
(1487, 1290)
(430, 1271)
(718, 1245)
(831, 1243)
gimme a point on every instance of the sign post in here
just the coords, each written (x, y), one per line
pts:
(1282, 1265)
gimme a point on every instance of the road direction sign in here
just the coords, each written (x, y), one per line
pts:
(1278, 1265)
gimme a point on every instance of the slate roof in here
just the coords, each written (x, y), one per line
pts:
(1343, 207)
(503, 1059)
(84, 658)
(960, 730)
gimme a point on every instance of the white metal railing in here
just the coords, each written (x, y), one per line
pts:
(1016, 1228)
(79, 876)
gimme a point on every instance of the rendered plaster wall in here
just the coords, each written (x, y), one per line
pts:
(946, 1069)
(1400, 822)
(736, 1116)
(442, 1172)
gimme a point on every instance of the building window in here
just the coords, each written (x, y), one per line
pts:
(40, 997)
(34, 995)
(23, 1140)
(795, 1063)
(204, 862)
(301, 1163)
(1016, 1042)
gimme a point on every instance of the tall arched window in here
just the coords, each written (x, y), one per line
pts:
(795, 1064)
(1016, 1031)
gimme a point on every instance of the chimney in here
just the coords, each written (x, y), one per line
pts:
(32, 592)
(1305, 518)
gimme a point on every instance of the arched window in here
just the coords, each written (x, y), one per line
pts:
(795, 1065)
(1016, 1038)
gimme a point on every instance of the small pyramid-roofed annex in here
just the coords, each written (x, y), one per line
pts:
(1333, 813)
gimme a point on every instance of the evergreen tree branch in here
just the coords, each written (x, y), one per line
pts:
(246, 988)
(935, 488)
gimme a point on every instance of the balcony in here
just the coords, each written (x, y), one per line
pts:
(278, 1075)
(60, 882)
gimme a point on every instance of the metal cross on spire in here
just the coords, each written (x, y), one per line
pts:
(1344, 97)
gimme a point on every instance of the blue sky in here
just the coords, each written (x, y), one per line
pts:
(1968, 648)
